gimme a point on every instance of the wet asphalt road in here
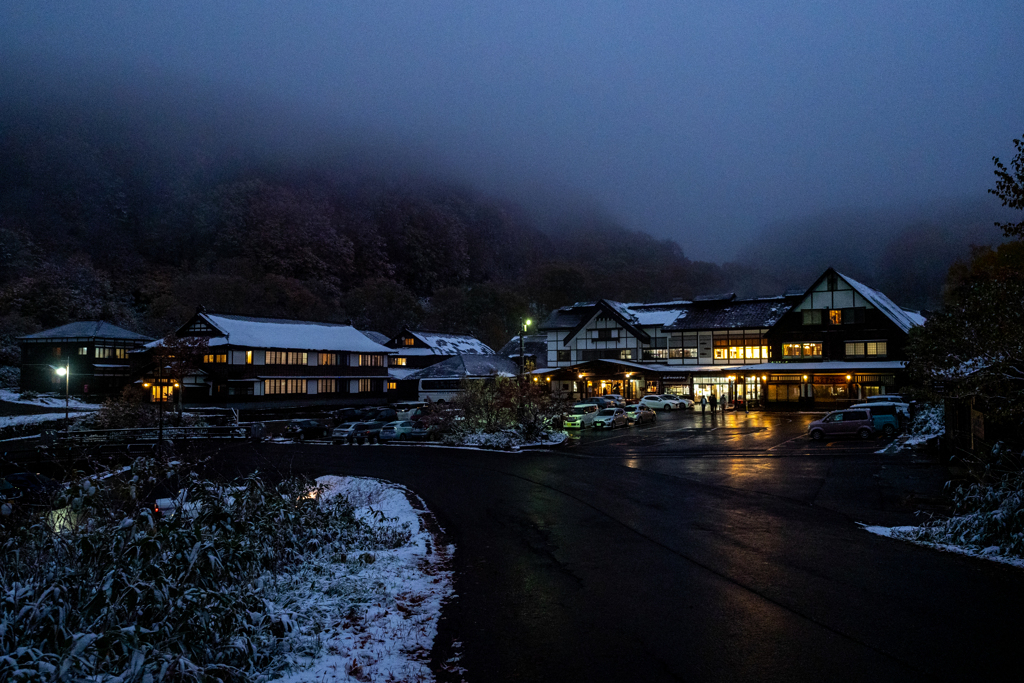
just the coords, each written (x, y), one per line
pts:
(668, 554)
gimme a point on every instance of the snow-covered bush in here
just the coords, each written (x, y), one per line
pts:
(986, 516)
(10, 377)
(102, 590)
(506, 412)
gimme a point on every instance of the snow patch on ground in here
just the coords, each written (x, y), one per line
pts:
(928, 424)
(14, 420)
(46, 401)
(910, 533)
(399, 594)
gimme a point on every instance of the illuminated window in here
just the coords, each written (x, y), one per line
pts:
(721, 349)
(83, 350)
(287, 358)
(371, 360)
(370, 385)
(215, 358)
(329, 359)
(392, 386)
(110, 352)
(248, 357)
(398, 361)
(284, 386)
(626, 354)
(871, 348)
(689, 352)
(327, 386)
(408, 341)
(835, 316)
(655, 354)
(812, 349)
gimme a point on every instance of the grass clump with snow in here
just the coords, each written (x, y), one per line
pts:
(262, 582)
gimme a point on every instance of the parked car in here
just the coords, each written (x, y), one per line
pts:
(684, 402)
(368, 432)
(886, 416)
(848, 422)
(617, 399)
(300, 430)
(637, 413)
(384, 415)
(656, 402)
(610, 418)
(581, 415)
(346, 414)
(345, 432)
(904, 407)
(424, 430)
(400, 430)
(409, 410)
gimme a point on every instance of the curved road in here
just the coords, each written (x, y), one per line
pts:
(573, 566)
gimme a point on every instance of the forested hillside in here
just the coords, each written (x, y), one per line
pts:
(97, 225)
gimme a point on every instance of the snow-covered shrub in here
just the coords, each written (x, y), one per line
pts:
(129, 409)
(103, 590)
(509, 411)
(10, 377)
(986, 515)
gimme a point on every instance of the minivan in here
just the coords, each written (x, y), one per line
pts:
(848, 422)
(582, 415)
(886, 416)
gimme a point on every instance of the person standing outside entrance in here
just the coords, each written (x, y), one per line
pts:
(703, 403)
(714, 404)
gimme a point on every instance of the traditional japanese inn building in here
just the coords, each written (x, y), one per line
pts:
(838, 342)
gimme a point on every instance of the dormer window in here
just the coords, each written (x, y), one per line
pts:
(408, 341)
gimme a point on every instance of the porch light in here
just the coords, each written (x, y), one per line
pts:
(805, 378)
(848, 378)
(146, 385)
(764, 378)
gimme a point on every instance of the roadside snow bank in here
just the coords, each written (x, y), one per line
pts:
(374, 614)
(927, 424)
(509, 440)
(46, 400)
(913, 534)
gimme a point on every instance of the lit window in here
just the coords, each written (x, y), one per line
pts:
(392, 386)
(399, 361)
(329, 359)
(215, 358)
(812, 349)
(370, 385)
(408, 341)
(626, 354)
(876, 348)
(689, 353)
(327, 386)
(83, 350)
(284, 386)
(287, 358)
(371, 360)
(789, 350)
(248, 357)
(835, 316)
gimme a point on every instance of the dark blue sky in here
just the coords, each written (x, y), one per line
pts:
(701, 121)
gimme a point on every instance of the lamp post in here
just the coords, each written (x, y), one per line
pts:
(65, 372)
(523, 324)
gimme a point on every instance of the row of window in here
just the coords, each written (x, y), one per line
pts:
(101, 352)
(298, 358)
(323, 386)
(860, 349)
(835, 316)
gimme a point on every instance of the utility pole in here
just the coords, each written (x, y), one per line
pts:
(523, 324)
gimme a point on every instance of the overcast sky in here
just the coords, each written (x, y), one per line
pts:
(701, 121)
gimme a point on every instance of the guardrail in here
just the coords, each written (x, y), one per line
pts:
(52, 437)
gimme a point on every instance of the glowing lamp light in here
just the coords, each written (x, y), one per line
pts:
(848, 378)
(805, 378)
(145, 384)
(61, 371)
(764, 378)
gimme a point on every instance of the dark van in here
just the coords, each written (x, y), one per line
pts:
(857, 423)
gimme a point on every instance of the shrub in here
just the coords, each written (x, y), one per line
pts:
(103, 589)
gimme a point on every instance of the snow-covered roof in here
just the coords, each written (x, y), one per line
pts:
(87, 329)
(904, 319)
(450, 344)
(274, 333)
(378, 337)
(469, 365)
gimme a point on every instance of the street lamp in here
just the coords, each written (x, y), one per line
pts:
(65, 372)
(523, 324)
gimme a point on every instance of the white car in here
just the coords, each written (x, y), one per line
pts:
(660, 402)
(893, 399)
(684, 403)
(582, 415)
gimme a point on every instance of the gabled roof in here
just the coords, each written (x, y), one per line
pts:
(88, 329)
(378, 337)
(276, 333)
(618, 312)
(902, 318)
(535, 345)
(443, 344)
(469, 365)
(725, 314)
(659, 314)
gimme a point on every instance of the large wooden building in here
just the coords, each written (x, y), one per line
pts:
(273, 363)
(95, 354)
(837, 342)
